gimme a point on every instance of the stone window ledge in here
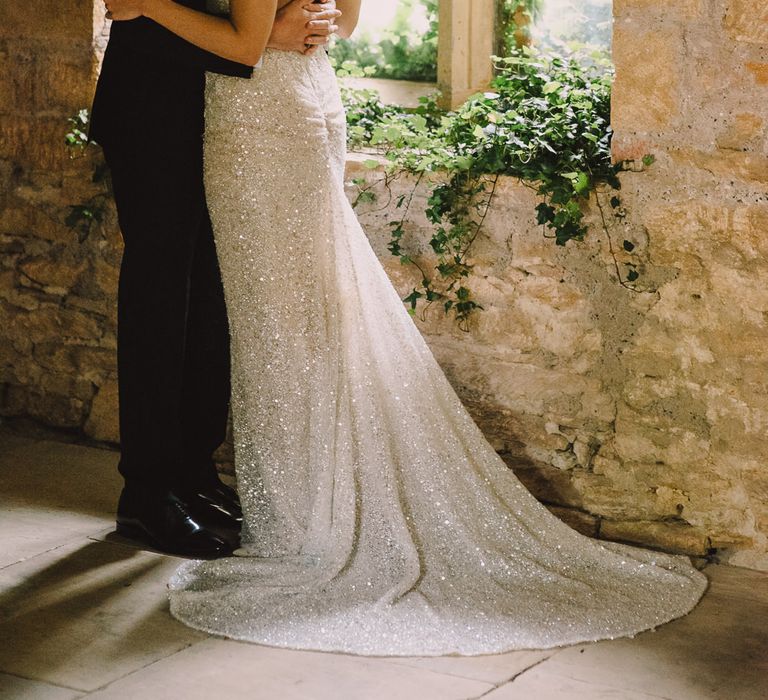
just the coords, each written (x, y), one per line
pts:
(405, 93)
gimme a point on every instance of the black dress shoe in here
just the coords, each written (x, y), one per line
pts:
(224, 496)
(208, 510)
(164, 521)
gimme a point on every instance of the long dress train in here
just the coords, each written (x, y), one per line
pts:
(377, 518)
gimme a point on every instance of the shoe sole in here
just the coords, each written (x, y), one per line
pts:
(138, 533)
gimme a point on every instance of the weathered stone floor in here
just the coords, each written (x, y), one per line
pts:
(83, 614)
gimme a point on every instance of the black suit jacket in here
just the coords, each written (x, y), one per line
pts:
(151, 87)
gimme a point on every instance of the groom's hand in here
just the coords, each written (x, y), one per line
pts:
(304, 26)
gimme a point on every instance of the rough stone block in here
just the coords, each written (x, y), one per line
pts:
(55, 357)
(646, 94)
(67, 19)
(25, 221)
(627, 146)
(46, 77)
(106, 276)
(726, 165)
(668, 536)
(94, 363)
(102, 307)
(742, 131)
(102, 423)
(56, 383)
(8, 94)
(52, 409)
(759, 71)
(49, 321)
(652, 11)
(747, 21)
(57, 270)
(688, 233)
(34, 142)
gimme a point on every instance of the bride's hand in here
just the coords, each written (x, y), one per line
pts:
(322, 25)
(125, 9)
(303, 26)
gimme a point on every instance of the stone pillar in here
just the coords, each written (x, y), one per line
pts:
(57, 337)
(691, 91)
(465, 45)
(49, 62)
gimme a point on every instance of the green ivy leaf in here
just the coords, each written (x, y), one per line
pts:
(581, 183)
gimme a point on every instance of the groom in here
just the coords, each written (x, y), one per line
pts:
(173, 339)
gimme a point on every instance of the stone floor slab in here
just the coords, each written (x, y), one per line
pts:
(110, 536)
(28, 532)
(540, 684)
(494, 669)
(224, 669)
(719, 651)
(53, 475)
(52, 493)
(86, 614)
(15, 688)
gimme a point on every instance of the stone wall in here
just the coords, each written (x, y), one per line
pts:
(692, 412)
(57, 296)
(638, 416)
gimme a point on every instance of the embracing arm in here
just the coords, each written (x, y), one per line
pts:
(240, 37)
(298, 26)
(350, 13)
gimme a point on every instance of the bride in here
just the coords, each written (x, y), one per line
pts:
(377, 519)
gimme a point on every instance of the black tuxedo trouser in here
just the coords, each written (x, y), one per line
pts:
(173, 337)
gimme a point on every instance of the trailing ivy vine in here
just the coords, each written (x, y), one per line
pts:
(82, 217)
(545, 121)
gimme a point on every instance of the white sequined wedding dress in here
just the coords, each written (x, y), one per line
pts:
(377, 519)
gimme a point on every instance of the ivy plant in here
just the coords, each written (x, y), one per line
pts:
(545, 121)
(84, 216)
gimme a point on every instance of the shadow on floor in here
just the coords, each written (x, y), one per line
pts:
(67, 603)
